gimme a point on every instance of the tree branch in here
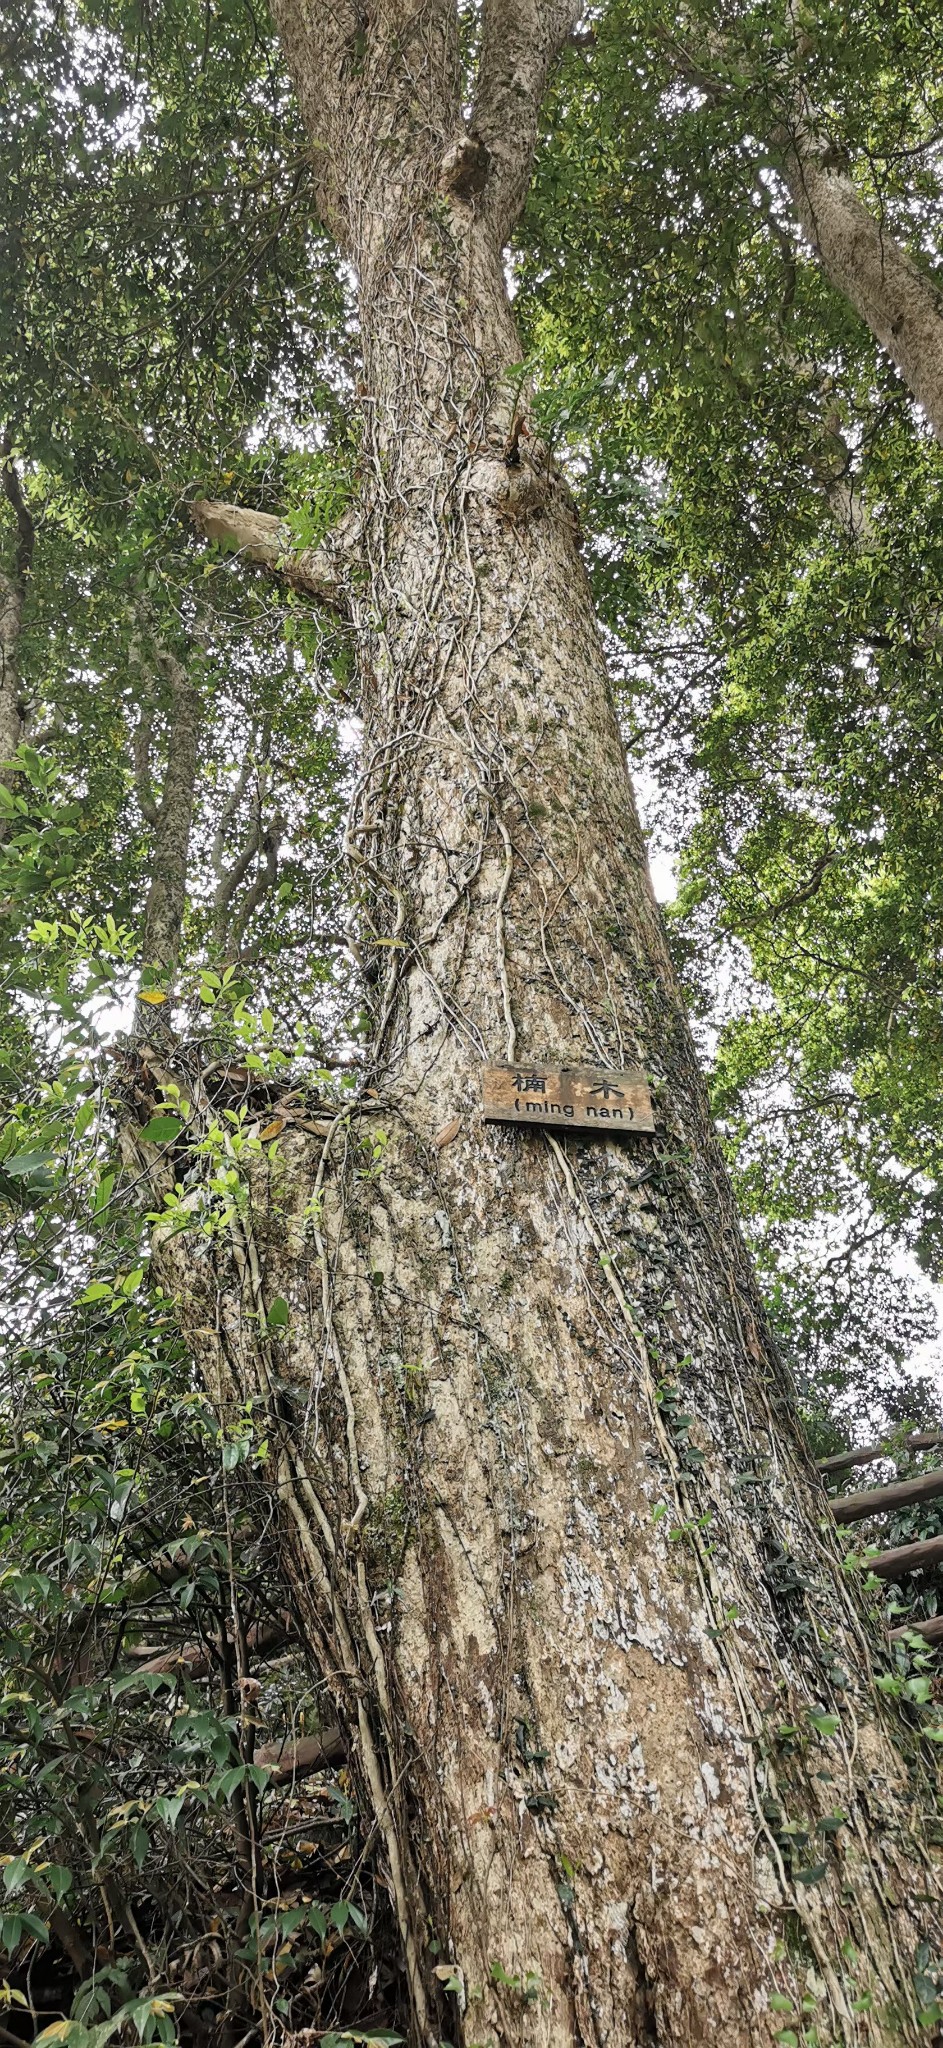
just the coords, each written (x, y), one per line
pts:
(229, 809)
(231, 879)
(25, 528)
(319, 44)
(266, 880)
(285, 1760)
(264, 538)
(170, 817)
(520, 43)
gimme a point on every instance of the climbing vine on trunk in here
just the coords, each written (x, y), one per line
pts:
(561, 1550)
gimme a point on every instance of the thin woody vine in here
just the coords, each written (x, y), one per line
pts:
(244, 1204)
(792, 1835)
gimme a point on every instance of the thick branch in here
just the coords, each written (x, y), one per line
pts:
(896, 298)
(25, 529)
(264, 538)
(520, 43)
(890, 291)
(171, 816)
(320, 43)
(286, 1761)
(931, 1631)
(141, 743)
(193, 1660)
(843, 1461)
(907, 1558)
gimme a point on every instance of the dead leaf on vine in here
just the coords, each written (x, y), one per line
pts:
(448, 1132)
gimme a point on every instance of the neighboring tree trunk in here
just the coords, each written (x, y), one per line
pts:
(12, 599)
(566, 1561)
(891, 292)
(170, 818)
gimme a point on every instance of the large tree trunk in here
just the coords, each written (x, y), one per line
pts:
(565, 1559)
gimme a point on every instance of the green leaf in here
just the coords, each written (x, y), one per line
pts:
(24, 1165)
(162, 1130)
(827, 1724)
(225, 1785)
(16, 1874)
(277, 1317)
(146, 1681)
(169, 1808)
(35, 1926)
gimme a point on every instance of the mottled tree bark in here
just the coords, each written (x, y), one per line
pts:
(563, 1554)
(893, 294)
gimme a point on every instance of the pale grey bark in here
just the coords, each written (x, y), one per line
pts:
(891, 292)
(258, 852)
(263, 538)
(894, 294)
(563, 1555)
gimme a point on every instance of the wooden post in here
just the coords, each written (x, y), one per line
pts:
(931, 1631)
(842, 1461)
(880, 1500)
(908, 1557)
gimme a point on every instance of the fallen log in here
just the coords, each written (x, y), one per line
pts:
(882, 1500)
(287, 1760)
(842, 1461)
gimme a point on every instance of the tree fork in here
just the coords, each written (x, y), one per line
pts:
(559, 1545)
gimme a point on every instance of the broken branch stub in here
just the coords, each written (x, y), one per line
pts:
(265, 538)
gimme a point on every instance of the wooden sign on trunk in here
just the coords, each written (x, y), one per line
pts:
(568, 1098)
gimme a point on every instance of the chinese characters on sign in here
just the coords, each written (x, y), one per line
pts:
(581, 1098)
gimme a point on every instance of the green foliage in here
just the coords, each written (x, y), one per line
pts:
(164, 304)
(138, 1816)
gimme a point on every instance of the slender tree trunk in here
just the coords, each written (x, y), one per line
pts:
(893, 294)
(170, 818)
(564, 1556)
(12, 600)
(11, 701)
(890, 291)
(166, 897)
